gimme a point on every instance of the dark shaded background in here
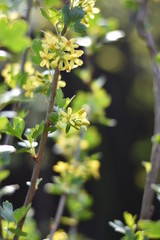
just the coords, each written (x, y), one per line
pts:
(126, 66)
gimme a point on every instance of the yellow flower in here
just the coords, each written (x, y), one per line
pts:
(32, 83)
(46, 57)
(76, 120)
(61, 53)
(60, 235)
(88, 7)
(93, 168)
(49, 41)
(61, 167)
(68, 45)
(11, 71)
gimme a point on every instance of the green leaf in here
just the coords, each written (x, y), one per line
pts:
(16, 130)
(3, 123)
(52, 14)
(51, 129)
(38, 130)
(68, 127)
(7, 211)
(55, 188)
(129, 220)
(151, 228)
(59, 98)
(36, 48)
(20, 213)
(13, 35)
(17, 232)
(72, 18)
(4, 174)
(18, 126)
(53, 117)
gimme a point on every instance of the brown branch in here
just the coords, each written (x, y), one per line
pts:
(148, 195)
(37, 165)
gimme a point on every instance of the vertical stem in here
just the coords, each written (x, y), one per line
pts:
(142, 21)
(41, 150)
(59, 213)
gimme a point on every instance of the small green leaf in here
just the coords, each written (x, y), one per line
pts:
(51, 129)
(129, 220)
(53, 117)
(16, 130)
(17, 232)
(20, 213)
(56, 189)
(52, 14)
(36, 48)
(72, 18)
(18, 126)
(68, 127)
(6, 211)
(3, 123)
(38, 130)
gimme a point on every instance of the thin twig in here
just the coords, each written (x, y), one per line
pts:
(58, 216)
(63, 197)
(142, 22)
(37, 165)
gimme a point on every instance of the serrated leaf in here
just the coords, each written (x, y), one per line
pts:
(16, 130)
(6, 211)
(38, 130)
(52, 14)
(72, 18)
(36, 48)
(13, 35)
(20, 213)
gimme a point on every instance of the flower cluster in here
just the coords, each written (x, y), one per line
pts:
(88, 6)
(61, 53)
(11, 74)
(85, 169)
(76, 120)
(11, 71)
(66, 144)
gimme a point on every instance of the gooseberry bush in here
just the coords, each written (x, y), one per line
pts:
(39, 65)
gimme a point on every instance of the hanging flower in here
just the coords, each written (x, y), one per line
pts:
(76, 120)
(61, 53)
